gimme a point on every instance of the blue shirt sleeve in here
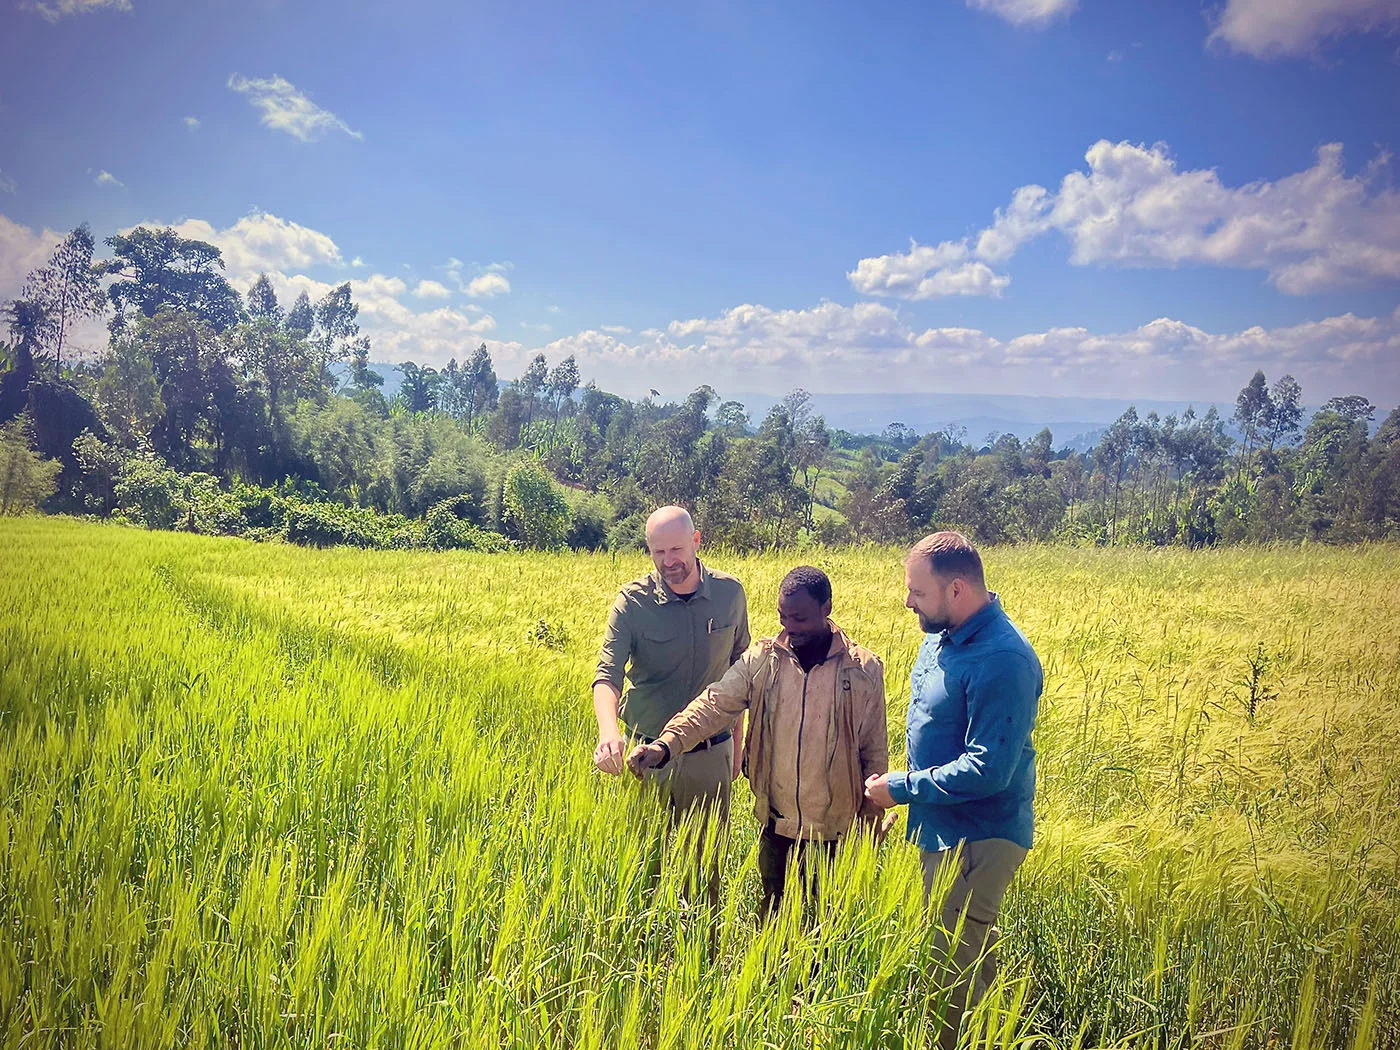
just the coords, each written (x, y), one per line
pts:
(1001, 706)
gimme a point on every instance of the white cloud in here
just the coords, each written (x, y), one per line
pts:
(192, 123)
(7, 184)
(1313, 230)
(927, 272)
(1274, 28)
(868, 347)
(53, 10)
(261, 242)
(1026, 13)
(552, 309)
(22, 250)
(432, 290)
(487, 285)
(284, 108)
(357, 262)
(616, 329)
(106, 178)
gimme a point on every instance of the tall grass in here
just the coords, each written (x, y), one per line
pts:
(261, 796)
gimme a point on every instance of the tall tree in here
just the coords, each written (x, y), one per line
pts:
(262, 301)
(301, 318)
(1254, 412)
(159, 269)
(562, 382)
(481, 386)
(530, 383)
(1287, 412)
(68, 290)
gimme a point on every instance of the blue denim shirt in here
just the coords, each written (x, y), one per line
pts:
(973, 697)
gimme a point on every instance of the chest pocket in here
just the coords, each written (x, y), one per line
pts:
(658, 654)
(721, 638)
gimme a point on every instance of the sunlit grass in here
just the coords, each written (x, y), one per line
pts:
(254, 795)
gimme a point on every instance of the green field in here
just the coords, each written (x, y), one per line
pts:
(261, 796)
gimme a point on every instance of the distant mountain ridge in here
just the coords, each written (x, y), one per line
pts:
(1075, 422)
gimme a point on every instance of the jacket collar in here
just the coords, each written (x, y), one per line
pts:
(840, 643)
(664, 593)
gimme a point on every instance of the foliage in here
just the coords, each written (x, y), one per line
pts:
(157, 270)
(66, 291)
(27, 479)
(536, 512)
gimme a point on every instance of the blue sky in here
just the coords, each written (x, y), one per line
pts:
(756, 196)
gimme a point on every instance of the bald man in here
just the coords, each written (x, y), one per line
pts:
(670, 634)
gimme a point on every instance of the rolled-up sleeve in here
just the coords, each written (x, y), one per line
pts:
(1001, 707)
(617, 646)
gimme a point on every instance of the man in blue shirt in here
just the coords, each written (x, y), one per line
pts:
(973, 697)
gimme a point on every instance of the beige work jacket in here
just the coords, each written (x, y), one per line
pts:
(826, 727)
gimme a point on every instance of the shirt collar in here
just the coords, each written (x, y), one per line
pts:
(963, 633)
(665, 594)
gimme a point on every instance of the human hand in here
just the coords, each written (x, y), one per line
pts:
(877, 790)
(646, 756)
(607, 756)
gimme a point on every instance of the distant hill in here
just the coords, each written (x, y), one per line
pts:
(1076, 422)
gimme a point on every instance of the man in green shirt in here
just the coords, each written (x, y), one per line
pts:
(670, 634)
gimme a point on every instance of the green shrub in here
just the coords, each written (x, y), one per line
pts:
(448, 527)
(535, 508)
(331, 524)
(26, 477)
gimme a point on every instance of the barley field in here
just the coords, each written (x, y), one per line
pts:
(259, 796)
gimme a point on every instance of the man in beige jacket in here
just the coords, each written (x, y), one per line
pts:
(816, 730)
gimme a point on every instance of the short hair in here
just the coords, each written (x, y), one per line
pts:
(806, 578)
(950, 554)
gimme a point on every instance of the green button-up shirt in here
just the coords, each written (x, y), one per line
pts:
(670, 649)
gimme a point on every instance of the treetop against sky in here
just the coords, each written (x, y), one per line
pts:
(1020, 196)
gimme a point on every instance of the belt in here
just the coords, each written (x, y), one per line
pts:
(704, 745)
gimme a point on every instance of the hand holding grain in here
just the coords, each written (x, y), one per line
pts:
(644, 757)
(607, 756)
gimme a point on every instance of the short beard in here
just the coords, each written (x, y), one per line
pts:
(930, 626)
(681, 574)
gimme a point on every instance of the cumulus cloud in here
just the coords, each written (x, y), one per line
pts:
(192, 123)
(261, 242)
(284, 108)
(106, 178)
(1311, 231)
(53, 10)
(1276, 28)
(487, 285)
(7, 184)
(22, 250)
(1032, 14)
(432, 290)
(869, 347)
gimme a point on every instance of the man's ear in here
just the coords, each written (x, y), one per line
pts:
(826, 607)
(697, 537)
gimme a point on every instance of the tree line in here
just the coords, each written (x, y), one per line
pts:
(238, 414)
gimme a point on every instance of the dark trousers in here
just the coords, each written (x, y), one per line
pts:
(775, 854)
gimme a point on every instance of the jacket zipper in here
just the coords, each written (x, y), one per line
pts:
(801, 724)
